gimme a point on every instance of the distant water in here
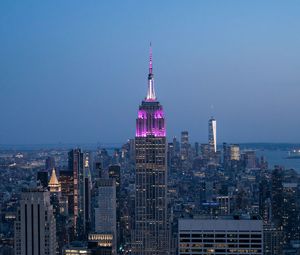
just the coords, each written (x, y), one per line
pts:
(279, 157)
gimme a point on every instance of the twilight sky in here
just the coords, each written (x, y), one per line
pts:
(76, 71)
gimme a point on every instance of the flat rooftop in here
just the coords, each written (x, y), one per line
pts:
(220, 224)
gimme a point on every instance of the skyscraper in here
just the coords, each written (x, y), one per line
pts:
(79, 165)
(86, 196)
(67, 189)
(105, 209)
(235, 152)
(49, 163)
(277, 197)
(75, 160)
(114, 172)
(35, 231)
(150, 235)
(42, 178)
(184, 150)
(212, 135)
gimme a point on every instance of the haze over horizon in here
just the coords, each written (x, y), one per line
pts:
(76, 73)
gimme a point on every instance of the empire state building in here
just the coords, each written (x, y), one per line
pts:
(150, 235)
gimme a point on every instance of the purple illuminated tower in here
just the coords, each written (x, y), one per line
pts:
(150, 177)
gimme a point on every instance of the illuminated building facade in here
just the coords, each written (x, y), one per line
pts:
(76, 186)
(212, 135)
(235, 152)
(54, 185)
(224, 235)
(185, 146)
(75, 158)
(101, 244)
(67, 189)
(76, 248)
(150, 235)
(105, 210)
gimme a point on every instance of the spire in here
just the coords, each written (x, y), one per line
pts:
(150, 60)
(53, 183)
(151, 92)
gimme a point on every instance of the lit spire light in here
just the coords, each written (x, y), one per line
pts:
(151, 92)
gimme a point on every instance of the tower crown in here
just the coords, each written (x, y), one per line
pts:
(53, 183)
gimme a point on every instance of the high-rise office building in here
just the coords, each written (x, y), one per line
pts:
(42, 178)
(49, 163)
(35, 231)
(86, 194)
(150, 237)
(184, 146)
(224, 203)
(60, 210)
(67, 189)
(105, 209)
(273, 240)
(226, 156)
(235, 152)
(264, 200)
(291, 225)
(114, 172)
(212, 135)
(277, 197)
(224, 235)
(205, 151)
(249, 157)
(79, 165)
(75, 160)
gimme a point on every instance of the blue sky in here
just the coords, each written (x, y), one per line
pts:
(76, 71)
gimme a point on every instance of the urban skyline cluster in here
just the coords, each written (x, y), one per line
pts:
(150, 196)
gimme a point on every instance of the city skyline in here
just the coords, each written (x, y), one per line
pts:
(227, 60)
(149, 128)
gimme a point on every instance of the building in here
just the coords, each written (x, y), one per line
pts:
(264, 201)
(49, 163)
(35, 230)
(67, 189)
(100, 244)
(224, 203)
(76, 248)
(42, 178)
(185, 145)
(249, 157)
(235, 152)
(225, 235)
(150, 236)
(114, 172)
(75, 161)
(86, 194)
(54, 185)
(277, 197)
(105, 210)
(291, 225)
(273, 240)
(79, 165)
(226, 156)
(212, 135)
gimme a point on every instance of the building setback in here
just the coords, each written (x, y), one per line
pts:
(150, 236)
